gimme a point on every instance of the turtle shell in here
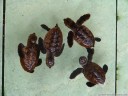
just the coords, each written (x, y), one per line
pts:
(84, 37)
(53, 40)
(94, 73)
(30, 59)
(29, 55)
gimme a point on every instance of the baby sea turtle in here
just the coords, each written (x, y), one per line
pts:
(92, 71)
(29, 55)
(80, 33)
(52, 44)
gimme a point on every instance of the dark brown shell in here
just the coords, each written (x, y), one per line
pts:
(53, 40)
(89, 72)
(29, 55)
(82, 34)
(30, 59)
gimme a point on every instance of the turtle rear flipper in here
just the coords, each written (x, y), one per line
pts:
(39, 62)
(75, 73)
(82, 19)
(20, 52)
(41, 45)
(32, 71)
(70, 38)
(105, 68)
(61, 50)
(97, 39)
(89, 84)
(45, 27)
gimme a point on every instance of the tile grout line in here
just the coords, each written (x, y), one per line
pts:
(116, 51)
(3, 45)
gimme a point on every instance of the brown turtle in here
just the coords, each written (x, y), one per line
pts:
(29, 55)
(92, 71)
(52, 44)
(80, 33)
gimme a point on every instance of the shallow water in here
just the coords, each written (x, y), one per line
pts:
(25, 17)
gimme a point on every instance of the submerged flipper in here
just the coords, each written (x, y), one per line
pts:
(89, 84)
(20, 52)
(70, 38)
(105, 68)
(45, 27)
(39, 62)
(82, 19)
(41, 45)
(90, 54)
(75, 73)
(32, 71)
(97, 39)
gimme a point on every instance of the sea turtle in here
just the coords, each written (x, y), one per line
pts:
(92, 71)
(52, 44)
(29, 55)
(80, 33)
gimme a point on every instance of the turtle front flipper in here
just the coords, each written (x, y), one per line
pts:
(70, 38)
(82, 19)
(89, 84)
(75, 73)
(61, 50)
(45, 27)
(90, 54)
(105, 68)
(70, 23)
(41, 45)
(97, 39)
(20, 52)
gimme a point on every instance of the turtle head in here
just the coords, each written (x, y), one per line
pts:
(49, 60)
(32, 38)
(83, 60)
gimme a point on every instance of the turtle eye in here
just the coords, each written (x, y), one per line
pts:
(83, 60)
